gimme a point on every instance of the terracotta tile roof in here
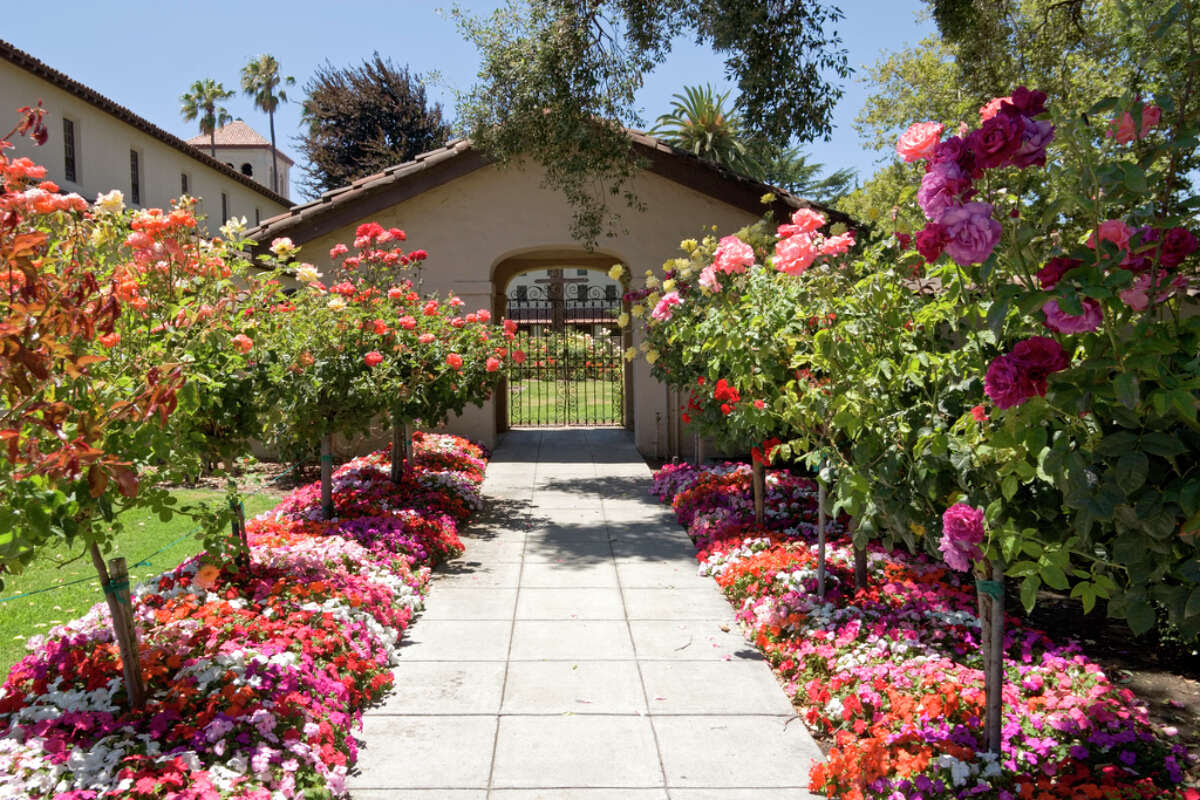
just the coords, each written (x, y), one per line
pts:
(373, 193)
(40, 69)
(236, 134)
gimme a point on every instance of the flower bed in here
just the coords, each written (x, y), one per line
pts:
(256, 678)
(892, 674)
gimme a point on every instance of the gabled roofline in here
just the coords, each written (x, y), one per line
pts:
(373, 193)
(40, 69)
(282, 156)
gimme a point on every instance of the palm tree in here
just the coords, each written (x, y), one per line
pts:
(699, 123)
(261, 81)
(201, 101)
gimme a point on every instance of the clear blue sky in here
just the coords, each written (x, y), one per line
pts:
(145, 55)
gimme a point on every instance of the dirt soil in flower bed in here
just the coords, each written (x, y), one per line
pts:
(269, 478)
(1165, 675)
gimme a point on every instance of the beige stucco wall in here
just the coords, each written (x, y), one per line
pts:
(472, 224)
(259, 159)
(103, 143)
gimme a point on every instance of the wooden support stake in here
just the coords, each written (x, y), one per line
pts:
(398, 451)
(758, 481)
(327, 475)
(114, 580)
(821, 540)
(995, 704)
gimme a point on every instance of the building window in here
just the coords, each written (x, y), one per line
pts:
(69, 163)
(248, 170)
(257, 218)
(610, 293)
(135, 178)
(579, 273)
(183, 183)
(224, 208)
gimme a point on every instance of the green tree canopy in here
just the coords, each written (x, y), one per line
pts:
(559, 78)
(363, 119)
(262, 82)
(203, 101)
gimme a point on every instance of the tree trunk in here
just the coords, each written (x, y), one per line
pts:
(758, 481)
(401, 450)
(274, 157)
(114, 580)
(821, 540)
(327, 475)
(860, 561)
(238, 523)
(989, 587)
(212, 141)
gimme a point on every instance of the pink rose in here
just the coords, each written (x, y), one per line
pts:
(1112, 230)
(992, 108)
(836, 245)
(666, 306)
(455, 361)
(795, 254)
(492, 364)
(1039, 356)
(962, 533)
(919, 140)
(805, 220)
(1005, 383)
(1137, 296)
(373, 358)
(708, 279)
(733, 256)
(1061, 322)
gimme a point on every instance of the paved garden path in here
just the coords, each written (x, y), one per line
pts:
(573, 652)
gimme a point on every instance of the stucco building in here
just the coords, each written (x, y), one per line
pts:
(485, 226)
(96, 145)
(241, 148)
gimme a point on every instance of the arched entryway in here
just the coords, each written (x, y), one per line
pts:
(575, 373)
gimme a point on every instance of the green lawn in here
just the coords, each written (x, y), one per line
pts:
(144, 534)
(541, 402)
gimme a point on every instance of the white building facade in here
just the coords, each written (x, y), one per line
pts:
(96, 145)
(245, 150)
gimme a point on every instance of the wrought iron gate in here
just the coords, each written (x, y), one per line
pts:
(573, 373)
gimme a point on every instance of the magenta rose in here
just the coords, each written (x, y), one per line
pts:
(971, 233)
(1061, 322)
(931, 241)
(962, 533)
(1006, 383)
(996, 140)
(1029, 102)
(1038, 134)
(1178, 244)
(940, 189)
(1039, 357)
(1051, 274)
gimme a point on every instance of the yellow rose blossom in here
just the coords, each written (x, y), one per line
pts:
(652, 356)
(637, 310)
(668, 285)
(630, 353)
(688, 245)
(651, 282)
(283, 247)
(111, 202)
(623, 320)
(307, 273)
(653, 299)
(337, 303)
(616, 272)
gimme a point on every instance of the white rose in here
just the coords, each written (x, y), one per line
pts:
(307, 273)
(111, 202)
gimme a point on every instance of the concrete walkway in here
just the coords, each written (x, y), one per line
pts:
(573, 652)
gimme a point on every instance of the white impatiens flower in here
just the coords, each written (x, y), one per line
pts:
(111, 202)
(337, 303)
(233, 226)
(307, 273)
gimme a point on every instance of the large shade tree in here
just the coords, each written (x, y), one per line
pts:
(261, 81)
(203, 101)
(559, 77)
(362, 119)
